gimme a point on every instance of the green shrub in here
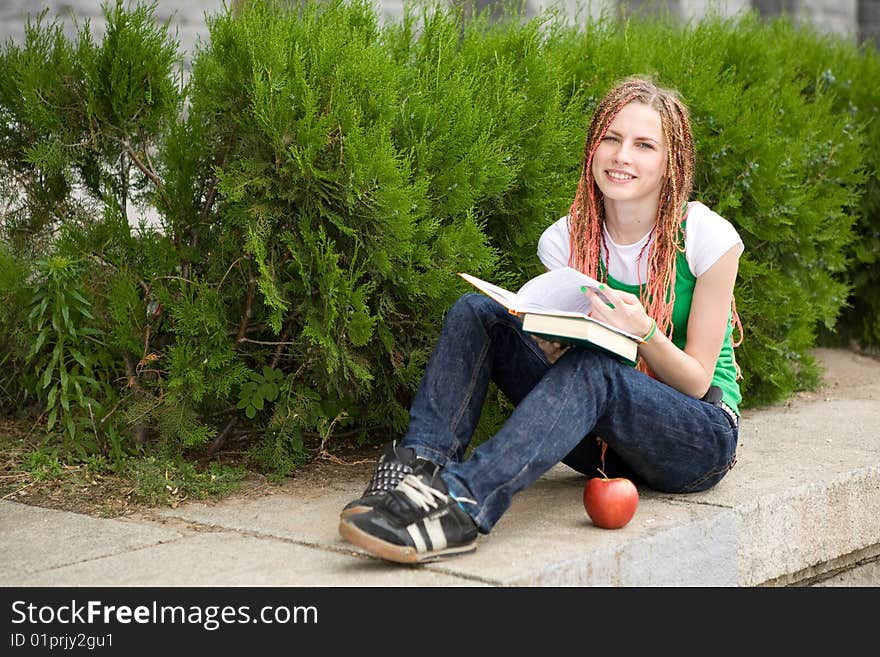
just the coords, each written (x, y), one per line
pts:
(15, 379)
(80, 122)
(848, 76)
(789, 178)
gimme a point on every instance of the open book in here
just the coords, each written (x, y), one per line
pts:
(552, 306)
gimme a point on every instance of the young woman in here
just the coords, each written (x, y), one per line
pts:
(669, 266)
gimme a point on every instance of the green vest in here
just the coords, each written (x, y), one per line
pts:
(725, 367)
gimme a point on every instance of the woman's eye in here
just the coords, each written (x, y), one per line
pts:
(646, 145)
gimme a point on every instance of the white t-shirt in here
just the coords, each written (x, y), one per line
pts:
(708, 236)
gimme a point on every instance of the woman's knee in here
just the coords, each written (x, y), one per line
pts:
(589, 360)
(472, 305)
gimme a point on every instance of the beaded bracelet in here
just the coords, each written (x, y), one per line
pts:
(651, 331)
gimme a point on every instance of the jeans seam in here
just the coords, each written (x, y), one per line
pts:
(488, 498)
(470, 391)
(533, 346)
(727, 467)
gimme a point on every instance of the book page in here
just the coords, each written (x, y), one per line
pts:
(556, 290)
(502, 296)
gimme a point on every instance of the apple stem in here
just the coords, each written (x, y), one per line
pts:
(602, 456)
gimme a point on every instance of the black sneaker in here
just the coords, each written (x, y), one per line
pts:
(395, 463)
(419, 521)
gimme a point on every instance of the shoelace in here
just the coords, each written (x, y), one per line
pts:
(424, 495)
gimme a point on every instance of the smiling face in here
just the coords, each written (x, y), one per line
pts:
(629, 163)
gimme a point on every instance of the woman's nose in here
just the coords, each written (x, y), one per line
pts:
(623, 154)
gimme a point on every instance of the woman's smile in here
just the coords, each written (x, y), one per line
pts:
(619, 176)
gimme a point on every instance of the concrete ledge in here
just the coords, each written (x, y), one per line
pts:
(810, 480)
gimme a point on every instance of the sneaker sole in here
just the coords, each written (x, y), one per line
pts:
(353, 511)
(398, 553)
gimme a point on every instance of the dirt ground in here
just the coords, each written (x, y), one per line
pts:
(108, 495)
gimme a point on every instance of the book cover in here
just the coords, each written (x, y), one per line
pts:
(552, 306)
(586, 332)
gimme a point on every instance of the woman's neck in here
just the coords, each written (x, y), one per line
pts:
(627, 223)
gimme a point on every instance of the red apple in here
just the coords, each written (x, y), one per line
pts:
(610, 503)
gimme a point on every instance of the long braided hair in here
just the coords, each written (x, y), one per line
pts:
(587, 216)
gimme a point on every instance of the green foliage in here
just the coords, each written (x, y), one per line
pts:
(15, 378)
(164, 479)
(66, 341)
(43, 464)
(77, 118)
(786, 169)
(259, 389)
(845, 75)
(321, 176)
(341, 242)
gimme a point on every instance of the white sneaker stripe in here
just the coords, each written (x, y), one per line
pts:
(416, 536)
(435, 533)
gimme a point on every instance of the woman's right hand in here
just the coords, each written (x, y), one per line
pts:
(552, 350)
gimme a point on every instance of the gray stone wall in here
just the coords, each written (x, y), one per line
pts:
(187, 17)
(855, 18)
(869, 21)
(834, 16)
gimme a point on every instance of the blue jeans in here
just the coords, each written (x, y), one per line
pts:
(656, 435)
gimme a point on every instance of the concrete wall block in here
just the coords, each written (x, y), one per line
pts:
(806, 526)
(835, 16)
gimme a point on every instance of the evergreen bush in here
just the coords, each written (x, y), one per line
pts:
(849, 76)
(319, 178)
(80, 122)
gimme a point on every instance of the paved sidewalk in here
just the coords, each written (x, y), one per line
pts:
(802, 504)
